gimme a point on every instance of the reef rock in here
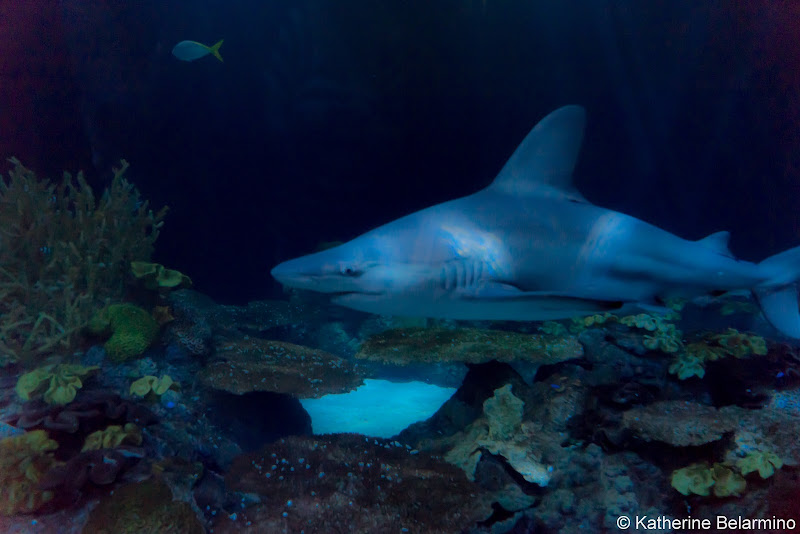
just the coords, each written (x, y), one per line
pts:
(402, 346)
(349, 483)
(254, 364)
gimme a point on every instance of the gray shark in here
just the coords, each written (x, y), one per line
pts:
(530, 247)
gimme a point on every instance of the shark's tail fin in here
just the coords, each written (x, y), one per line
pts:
(778, 295)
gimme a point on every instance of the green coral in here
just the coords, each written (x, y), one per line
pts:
(687, 365)
(691, 362)
(132, 330)
(149, 383)
(147, 506)
(156, 276)
(735, 306)
(64, 253)
(765, 462)
(666, 338)
(504, 412)
(741, 345)
(113, 436)
(695, 479)
(644, 321)
(700, 478)
(24, 460)
(727, 483)
(552, 328)
(56, 384)
(579, 324)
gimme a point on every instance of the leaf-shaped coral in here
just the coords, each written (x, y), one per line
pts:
(157, 276)
(164, 383)
(146, 384)
(32, 384)
(741, 345)
(24, 460)
(695, 479)
(112, 437)
(143, 386)
(553, 328)
(764, 462)
(705, 352)
(687, 365)
(63, 382)
(727, 482)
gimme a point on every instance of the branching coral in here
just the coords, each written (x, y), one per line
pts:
(64, 252)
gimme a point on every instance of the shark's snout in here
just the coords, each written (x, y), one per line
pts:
(287, 273)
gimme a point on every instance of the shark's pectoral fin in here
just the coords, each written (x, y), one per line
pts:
(780, 308)
(544, 300)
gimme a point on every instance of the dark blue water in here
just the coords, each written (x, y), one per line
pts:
(328, 118)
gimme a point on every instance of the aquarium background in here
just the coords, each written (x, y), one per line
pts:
(154, 377)
(329, 118)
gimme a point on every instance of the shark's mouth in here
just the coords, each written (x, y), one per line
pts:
(343, 297)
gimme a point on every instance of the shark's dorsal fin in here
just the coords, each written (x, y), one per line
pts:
(544, 161)
(718, 242)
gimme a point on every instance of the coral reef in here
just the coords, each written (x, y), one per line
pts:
(24, 459)
(151, 384)
(55, 383)
(156, 276)
(132, 330)
(680, 423)
(263, 365)
(692, 360)
(349, 483)
(502, 433)
(91, 410)
(100, 467)
(402, 346)
(64, 253)
(140, 507)
(113, 436)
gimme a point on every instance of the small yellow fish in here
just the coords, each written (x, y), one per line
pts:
(191, 50)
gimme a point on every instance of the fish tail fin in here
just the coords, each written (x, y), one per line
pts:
(777, 296)
(215, 49)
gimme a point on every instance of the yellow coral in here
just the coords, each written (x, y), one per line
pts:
(695, 479)
(24, 460)
(113, 436)
(63, 382)
(146, 384)
(156, 276)
(741, 345)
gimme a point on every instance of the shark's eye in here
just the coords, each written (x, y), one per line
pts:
(347, 270)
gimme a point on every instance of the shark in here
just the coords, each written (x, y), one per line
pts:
(530, 247)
